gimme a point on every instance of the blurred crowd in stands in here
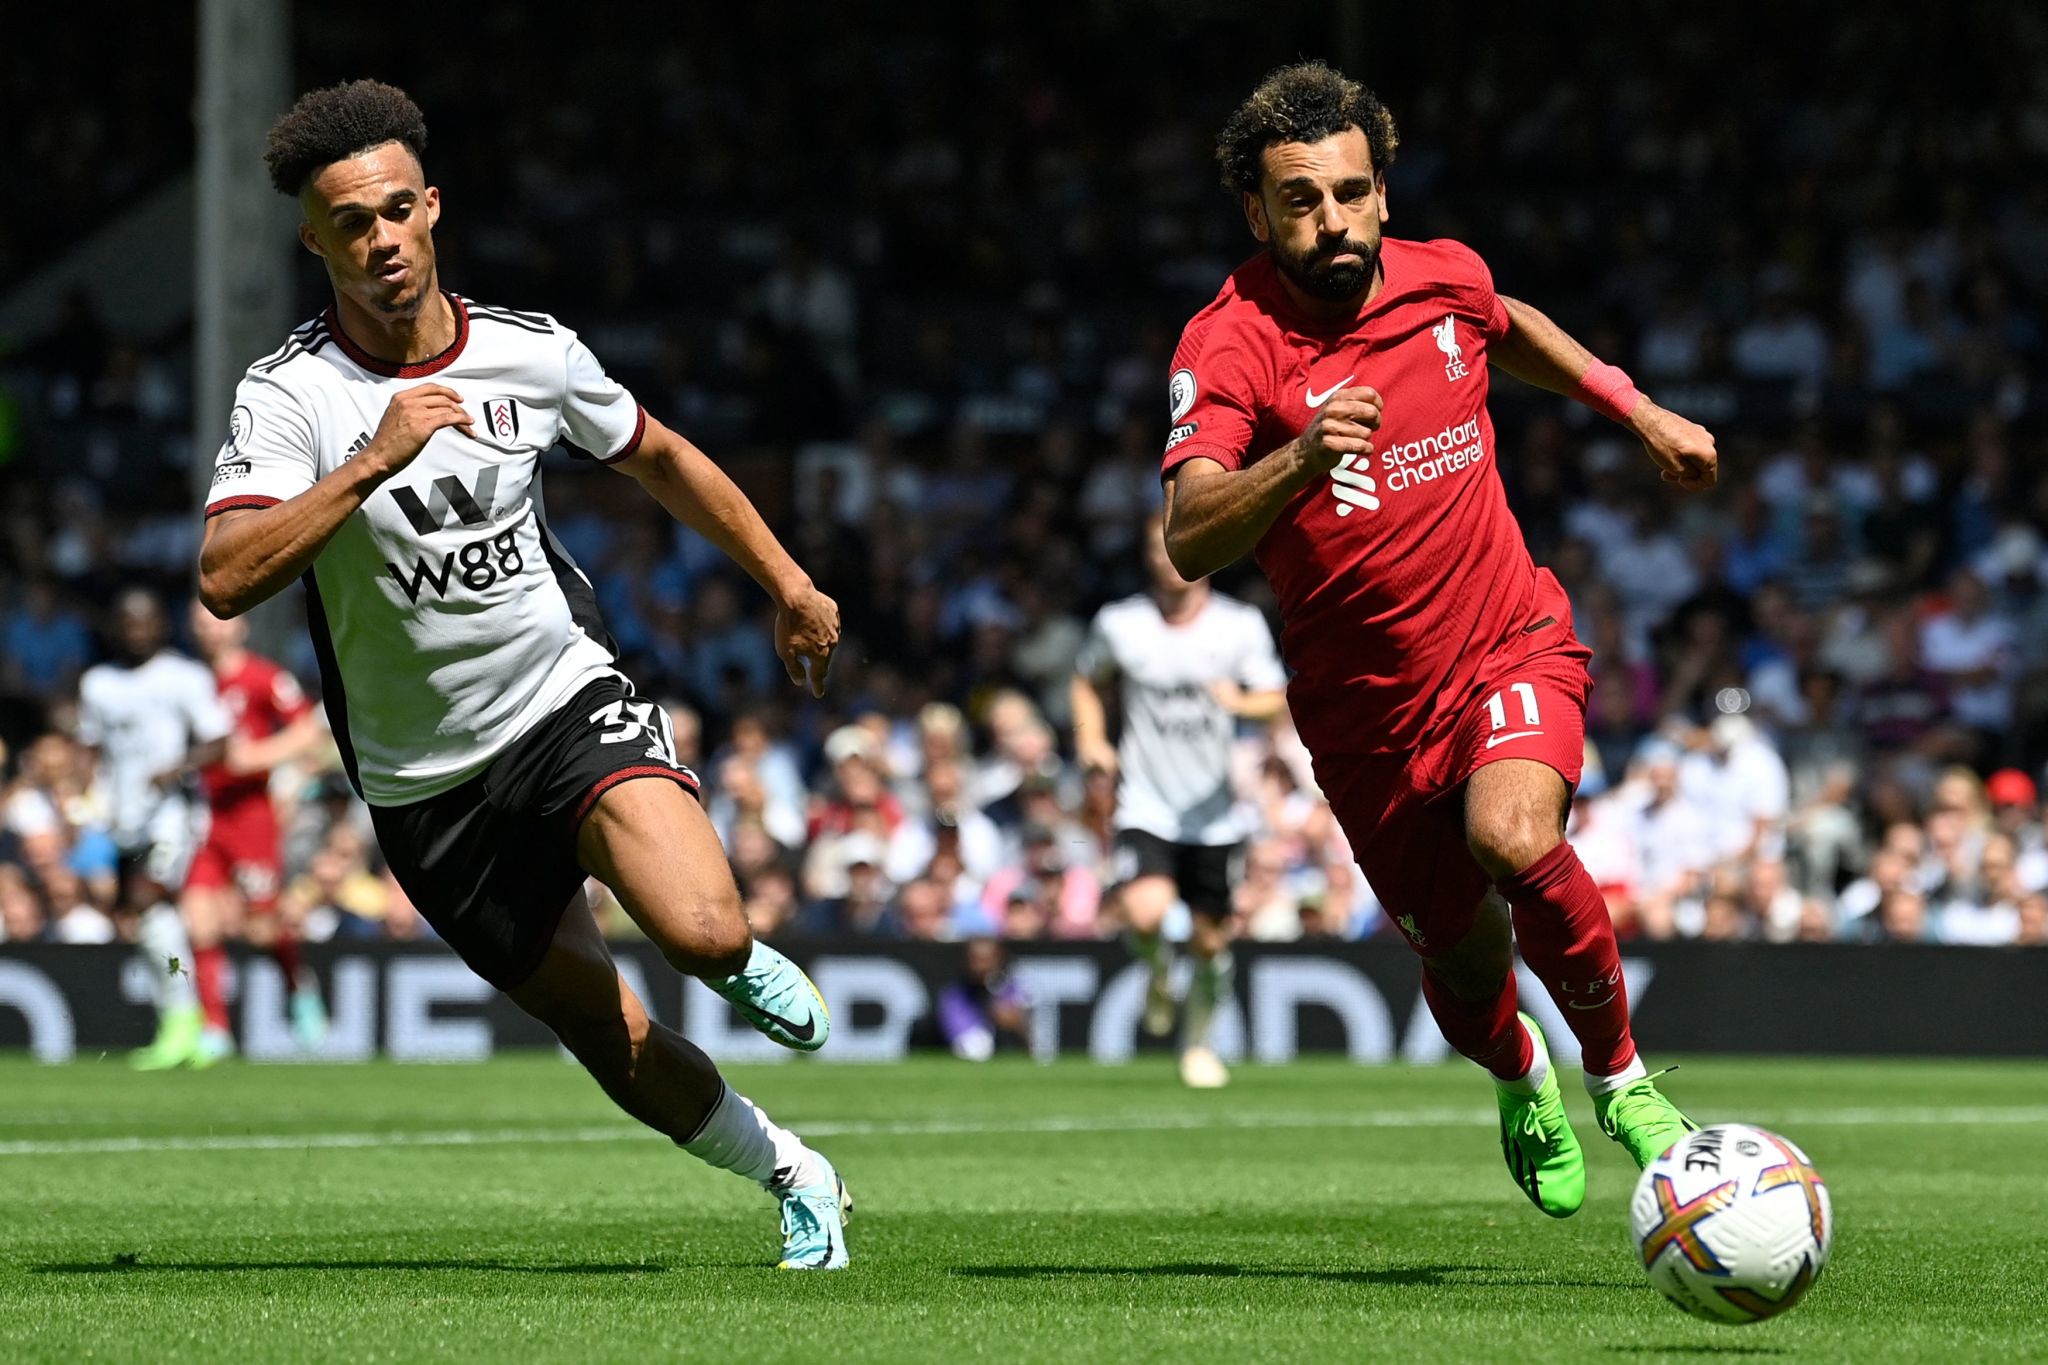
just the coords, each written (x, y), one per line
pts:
(919, 294)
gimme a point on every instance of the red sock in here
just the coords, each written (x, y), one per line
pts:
(284, 950)
(1487, 1032)
(207, 967)
(1567, 938)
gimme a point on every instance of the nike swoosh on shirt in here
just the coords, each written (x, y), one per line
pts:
(1316, 400)
(1519, 734)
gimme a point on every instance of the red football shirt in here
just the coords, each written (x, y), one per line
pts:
(263, 699)
(1397, 575)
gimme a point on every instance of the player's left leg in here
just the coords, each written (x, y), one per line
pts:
(649, 841)
(272, 925)
(1471, 994)
(1515, 812)
(1145, 892)
(1209, 985)
(1144, 901)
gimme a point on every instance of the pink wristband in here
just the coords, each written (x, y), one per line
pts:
(1608, 390)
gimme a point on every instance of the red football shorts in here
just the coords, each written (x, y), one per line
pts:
(245, 850)
(1402, 811)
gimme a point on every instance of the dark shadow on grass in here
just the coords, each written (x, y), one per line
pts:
(1404, 1276)
(1696, 1348)
(127, 1265)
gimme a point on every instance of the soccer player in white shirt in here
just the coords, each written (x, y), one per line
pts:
(389, 455)
(153, 719)
(1187, 663)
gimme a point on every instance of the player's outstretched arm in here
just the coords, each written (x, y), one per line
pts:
(251, 554)
(697, 493)
(1537, 351)
(293, 742)
(1259, 705)
(1214, 516)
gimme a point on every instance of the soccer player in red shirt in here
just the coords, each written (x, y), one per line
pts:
(1329, 412)
(239, 871)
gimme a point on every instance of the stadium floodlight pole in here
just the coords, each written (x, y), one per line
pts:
(242, 281)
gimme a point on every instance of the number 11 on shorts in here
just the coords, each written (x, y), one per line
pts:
(1497, 712)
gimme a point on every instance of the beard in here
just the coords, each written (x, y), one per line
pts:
(1320, 276)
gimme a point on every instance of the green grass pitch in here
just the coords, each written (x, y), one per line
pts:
(1009, 1212)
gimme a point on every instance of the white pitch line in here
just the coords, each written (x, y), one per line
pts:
(1908, 1116)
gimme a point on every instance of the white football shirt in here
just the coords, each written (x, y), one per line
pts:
(1174, 753)
(447, 618)
(144, 720)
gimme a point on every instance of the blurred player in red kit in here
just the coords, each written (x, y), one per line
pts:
(1329, 413)
(239, 871)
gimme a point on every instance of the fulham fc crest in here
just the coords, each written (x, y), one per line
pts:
(501, 415)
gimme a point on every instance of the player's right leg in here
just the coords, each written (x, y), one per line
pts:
(1147, 892)
(1204, 879)
(669, 1084)
(148, 875)
(1412, 849)
(1471, 994)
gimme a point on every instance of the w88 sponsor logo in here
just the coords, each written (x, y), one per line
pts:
(475, 566)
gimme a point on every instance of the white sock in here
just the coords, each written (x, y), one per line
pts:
(1539, 1068)
(161, 936)
(736, 1136)
(1601, 1085)
(1207, 989)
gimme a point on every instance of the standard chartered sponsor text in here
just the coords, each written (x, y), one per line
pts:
(1407, 463)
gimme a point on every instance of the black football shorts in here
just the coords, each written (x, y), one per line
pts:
(491, 864)
(1202, 873)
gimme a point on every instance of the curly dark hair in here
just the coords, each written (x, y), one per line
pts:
(1306, 102)
(334, 124)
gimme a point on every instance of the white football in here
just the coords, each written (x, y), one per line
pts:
(1733, 1224)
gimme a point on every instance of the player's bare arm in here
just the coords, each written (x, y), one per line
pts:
(296, 740)
(1214, 516)
(698, 494)
(1537, 351)
(1091, 726)
(1258, 705)
(196, 757)
(249, 555)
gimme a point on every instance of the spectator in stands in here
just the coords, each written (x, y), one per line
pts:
(984, 1008)
(1735, 776)
(1675, 841)
(44, 644)
(1064, 896)
(971, 473)
(945, 818)
(1973, 651)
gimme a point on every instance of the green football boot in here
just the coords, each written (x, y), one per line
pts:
(1542, 1152)
(1639, 1118)
(177, 1041)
